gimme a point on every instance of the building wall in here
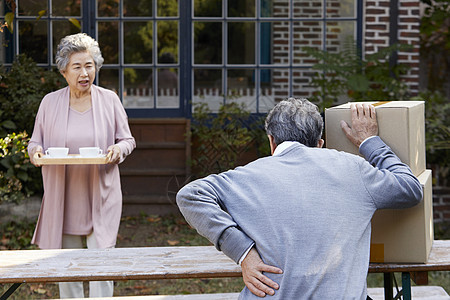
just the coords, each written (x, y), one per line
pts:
(376, 35)
(441, 194)
(377, 26)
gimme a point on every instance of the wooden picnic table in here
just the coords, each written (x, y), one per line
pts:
(150, 263)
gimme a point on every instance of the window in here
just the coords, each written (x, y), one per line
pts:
(162, 56)
(250, 51)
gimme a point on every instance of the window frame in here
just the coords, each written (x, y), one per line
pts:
(89, 21)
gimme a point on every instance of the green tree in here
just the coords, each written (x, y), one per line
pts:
(346, 75)
(435, 43)
(22, 87)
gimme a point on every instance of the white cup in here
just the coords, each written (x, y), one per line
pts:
(90, 151)
(57, 152)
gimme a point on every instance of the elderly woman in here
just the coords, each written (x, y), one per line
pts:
(80, 201)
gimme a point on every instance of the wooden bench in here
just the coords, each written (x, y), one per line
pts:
(223, 296)
(418, 293)
(33, 266)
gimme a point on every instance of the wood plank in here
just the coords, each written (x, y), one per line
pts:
(418, 292)
(154, 263)
(72, 159)
(222, 296)
(439, 260)
(115, 264)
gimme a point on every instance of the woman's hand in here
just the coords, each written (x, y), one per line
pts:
(37, 154)
(114, 154)
(252, 273)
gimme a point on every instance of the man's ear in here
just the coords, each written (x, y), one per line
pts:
(320, 143)
(272, 143)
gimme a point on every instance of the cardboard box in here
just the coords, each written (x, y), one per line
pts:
(401, 125)
(404, 235)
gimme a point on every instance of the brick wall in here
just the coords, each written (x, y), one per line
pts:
(376, 28)
(377, 31)
(441, 194)
(441, 204)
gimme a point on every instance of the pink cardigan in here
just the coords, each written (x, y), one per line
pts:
(110, 127)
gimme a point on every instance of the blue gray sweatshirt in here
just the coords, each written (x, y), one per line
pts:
(307, 211)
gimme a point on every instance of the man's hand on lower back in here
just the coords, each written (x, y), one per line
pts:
(252, 273)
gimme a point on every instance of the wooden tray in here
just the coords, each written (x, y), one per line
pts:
(72, 159)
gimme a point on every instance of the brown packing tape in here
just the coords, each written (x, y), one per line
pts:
(377, 253)
(380, 103)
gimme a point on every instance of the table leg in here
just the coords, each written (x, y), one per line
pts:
(406, 285)
(11, 290)
(388, 285)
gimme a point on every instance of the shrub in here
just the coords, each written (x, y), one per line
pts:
(18, 177)
(346, 75)
(22, 87)
(221, 141)
(437, 125)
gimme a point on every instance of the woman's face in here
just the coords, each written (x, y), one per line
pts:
(80, 72)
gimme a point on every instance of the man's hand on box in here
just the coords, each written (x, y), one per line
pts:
(364, 123)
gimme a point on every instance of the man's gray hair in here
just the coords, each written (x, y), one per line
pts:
(79, 42)
(296, 120)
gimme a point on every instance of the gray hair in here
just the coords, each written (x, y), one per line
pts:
(79, 42)
(296, 120)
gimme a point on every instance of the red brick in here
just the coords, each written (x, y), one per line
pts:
(410, 79)
(374, 11)
(409, 34)
(379, 42)
(409, 4)
(409, 19)
(376, 27)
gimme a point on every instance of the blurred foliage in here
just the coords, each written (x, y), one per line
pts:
(220, 140)
(346, 75)
(437, 127)
(435, 43)
(22, 87)
(16, 235)
(18, 177)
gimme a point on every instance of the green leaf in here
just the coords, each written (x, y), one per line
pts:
(358, 83)
(75, 22)
(9, 19)
(22, 176)
(41, 13)
(9, 124)
(6, 163)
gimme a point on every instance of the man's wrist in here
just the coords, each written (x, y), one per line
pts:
(370, 137)
(245, 253)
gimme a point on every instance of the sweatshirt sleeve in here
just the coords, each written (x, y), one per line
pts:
(123, 137)
(200, 205)
(391, 183)
(37, 138)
